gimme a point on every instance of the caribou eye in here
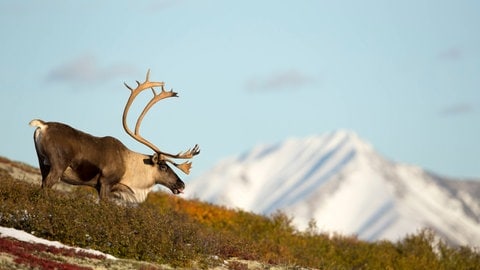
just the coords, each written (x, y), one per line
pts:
(163, 167)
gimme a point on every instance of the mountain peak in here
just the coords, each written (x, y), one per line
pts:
(352, 138)
(283, 172)
(341, 182)
(331, 140)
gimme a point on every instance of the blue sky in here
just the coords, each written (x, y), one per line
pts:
(404, 75)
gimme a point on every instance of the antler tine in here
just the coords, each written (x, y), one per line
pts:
(184, 167)
(134, 93)
(145, 85)
(156, 98)
(128, 86)
(190, 153)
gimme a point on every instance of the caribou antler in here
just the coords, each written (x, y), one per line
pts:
(159, 155)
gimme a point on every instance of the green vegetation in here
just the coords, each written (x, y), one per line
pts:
(187, 233)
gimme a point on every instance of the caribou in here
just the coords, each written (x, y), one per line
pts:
(105, 163)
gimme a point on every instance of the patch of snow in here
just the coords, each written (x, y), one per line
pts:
(27, 237)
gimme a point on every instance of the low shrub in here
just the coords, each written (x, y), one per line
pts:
(169, 230)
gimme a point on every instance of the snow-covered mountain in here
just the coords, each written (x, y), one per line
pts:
(344, 185)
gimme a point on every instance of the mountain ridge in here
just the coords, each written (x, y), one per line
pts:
(342, 183)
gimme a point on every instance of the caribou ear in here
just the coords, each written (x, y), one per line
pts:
(155, 158)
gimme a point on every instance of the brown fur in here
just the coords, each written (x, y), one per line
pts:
(105, 163)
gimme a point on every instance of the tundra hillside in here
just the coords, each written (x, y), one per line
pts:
(168, 230)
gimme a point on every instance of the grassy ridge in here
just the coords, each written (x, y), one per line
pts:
(186, 233)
